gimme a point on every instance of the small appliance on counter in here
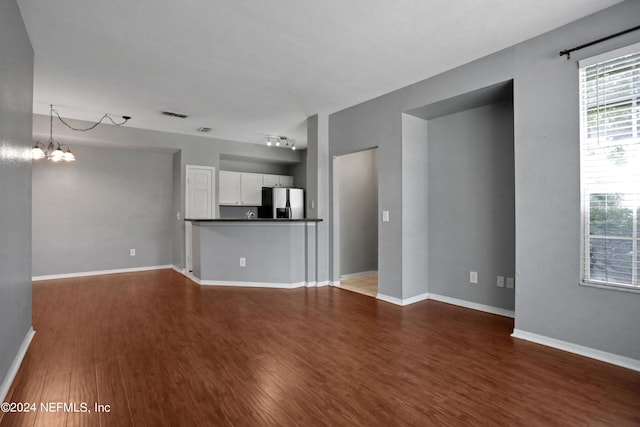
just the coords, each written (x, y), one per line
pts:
(281, 202)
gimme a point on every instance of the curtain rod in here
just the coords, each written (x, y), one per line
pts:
(568, 51)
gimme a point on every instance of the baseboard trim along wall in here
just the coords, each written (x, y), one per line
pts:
(100, 272)
(475, 306)
(402, 302)
(592, 353)
(448, 300)
(15, 365)
(359, 274)
(252, 284)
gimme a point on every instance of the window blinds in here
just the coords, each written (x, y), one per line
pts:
(610, 168)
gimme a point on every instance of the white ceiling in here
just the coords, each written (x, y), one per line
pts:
(249, 68)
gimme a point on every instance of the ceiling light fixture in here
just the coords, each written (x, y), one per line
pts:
(280, 141)
(55, 151)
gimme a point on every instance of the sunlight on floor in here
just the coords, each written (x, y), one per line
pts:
(366, 285)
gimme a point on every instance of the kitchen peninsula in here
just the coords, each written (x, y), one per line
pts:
(261, 252)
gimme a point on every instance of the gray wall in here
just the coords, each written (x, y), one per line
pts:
(275, 253)
(16, 98)
(358, 182)
(471, 204)
(299, 172)
(318, 183)
(89, 213)
(194, 150)
(177, 225)
(255, 166)
(549, 300)
(415, 207)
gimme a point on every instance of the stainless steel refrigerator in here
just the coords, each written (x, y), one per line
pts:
(282, 202)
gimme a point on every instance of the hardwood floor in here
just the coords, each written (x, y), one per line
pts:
(365, 285)
(162, 351)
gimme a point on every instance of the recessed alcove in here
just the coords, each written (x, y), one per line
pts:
(461, 206)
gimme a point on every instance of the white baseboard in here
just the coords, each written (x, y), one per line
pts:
(317, 284)
(274, 285)
(415, 299)
(359, 274)
(603, 356)
(100, 272)
(179, 269)
(403, 302)
(473, 305)
(15, 365)
(387, 298)
(335, 284)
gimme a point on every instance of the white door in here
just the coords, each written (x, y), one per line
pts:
(199, 195)
(199, 202)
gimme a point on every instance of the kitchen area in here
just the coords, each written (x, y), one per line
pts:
(261, 237)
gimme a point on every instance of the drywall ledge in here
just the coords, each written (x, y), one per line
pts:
(603, 356)
(15, 365)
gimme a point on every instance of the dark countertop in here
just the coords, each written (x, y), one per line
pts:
(280, 220)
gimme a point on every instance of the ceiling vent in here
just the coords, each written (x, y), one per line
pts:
(178, 115)
(204, 130)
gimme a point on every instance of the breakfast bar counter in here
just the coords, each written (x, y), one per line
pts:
(276, 253)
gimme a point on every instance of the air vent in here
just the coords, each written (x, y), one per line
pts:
(178, 115)
(204, 130)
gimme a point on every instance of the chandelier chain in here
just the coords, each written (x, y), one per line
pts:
(106, 116)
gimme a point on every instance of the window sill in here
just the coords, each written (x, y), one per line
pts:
(619, 288)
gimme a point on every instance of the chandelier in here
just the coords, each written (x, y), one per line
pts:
(56, 151)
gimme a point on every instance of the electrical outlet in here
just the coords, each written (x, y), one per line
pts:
(473, 277)
(132, 252)
(178, 216)
(509, 282)
(500, 282)
(243, 262)
(385, 216)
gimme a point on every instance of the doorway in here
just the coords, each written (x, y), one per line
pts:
(356, 182)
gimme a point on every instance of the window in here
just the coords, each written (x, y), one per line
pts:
(610, 168)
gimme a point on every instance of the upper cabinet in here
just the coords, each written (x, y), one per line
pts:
(250, 189)
(229, 191)
(239, 188)
(277, 181)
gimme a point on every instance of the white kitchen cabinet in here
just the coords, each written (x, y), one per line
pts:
(229, 190)
(277, 180)
(251, 189)
(286, 181)
(270, 180)
(238, 189)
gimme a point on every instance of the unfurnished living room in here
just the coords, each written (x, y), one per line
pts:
(333, 213)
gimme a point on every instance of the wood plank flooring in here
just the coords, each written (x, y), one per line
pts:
(162, 351)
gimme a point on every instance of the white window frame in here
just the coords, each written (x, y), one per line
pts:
(584, 207)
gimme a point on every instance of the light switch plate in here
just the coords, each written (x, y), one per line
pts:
(509, 282)
(500, 282)
(385, 216)
(473, 277)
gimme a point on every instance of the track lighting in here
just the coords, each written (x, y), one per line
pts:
(280, 141)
